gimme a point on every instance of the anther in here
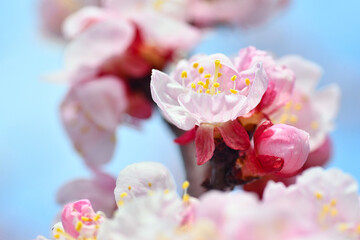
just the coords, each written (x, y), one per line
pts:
(185, 185)
(216, 85)
(78, 226)
(217, 62)
(186, 198)
(219, 74)
(86, 219)
(247, 81)
(233, 78)
(293, 119)
(124, 194)
(129, 188)
(314, 125)
(201, 70)
(207, 76)
(318, 195)
(193, 85)
(150, 184)
(233, 91)
(207, 91)
(201, 83)
(333, 202)
(298, 107)
(57, 236)
(195, 65)
(184, 74)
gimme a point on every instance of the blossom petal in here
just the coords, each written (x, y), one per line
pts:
(234, 135)
(139, 179)
(165, 92)
(307, 73)
(99, 190)
(99, 43)
(104, 99)
(205, 145)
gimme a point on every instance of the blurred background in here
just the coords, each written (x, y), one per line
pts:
(36, 157)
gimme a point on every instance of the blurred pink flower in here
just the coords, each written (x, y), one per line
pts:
(99, 190)
(90, 113)
(331, 198)
(281, 78)
(54, 12)
(308, 110)
(79, 219)
(239, 12)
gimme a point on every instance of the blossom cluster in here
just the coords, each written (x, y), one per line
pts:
(315, 207)
(256, 115)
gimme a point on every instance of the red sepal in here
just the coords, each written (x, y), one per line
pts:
(234, 135)
(260, 130)
(187, 137)
(270, 164)
(204, 141)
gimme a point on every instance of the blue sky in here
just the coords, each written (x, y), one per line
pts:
(36, 157)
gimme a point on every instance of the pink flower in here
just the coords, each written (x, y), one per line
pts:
(208, 91)
(331, 199)
(99, 190)
(90, 113)
(80, 220)
(285, 142)
(281, 78)
(53, 13)
(308, 110)
(240, 12)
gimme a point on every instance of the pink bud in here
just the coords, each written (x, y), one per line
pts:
(78, 218)
(286, 142)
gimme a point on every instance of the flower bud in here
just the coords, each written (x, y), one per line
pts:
(80, 220)
(286, 142)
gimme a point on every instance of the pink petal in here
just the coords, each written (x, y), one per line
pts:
(307, 73)
(99, 190)
(139, 106)
(99, 43)
(165, 92)
(139, 179)
(94, 143)
(104, 99)
(234, 135)
(205, 145)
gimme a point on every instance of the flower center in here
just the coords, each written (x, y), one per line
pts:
(212, 84)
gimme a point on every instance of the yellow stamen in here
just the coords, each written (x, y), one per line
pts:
(120, 203)
(78, 226)
(193, 85)
(233, 78)
(219, 74)
(293, 119)
(217, 62)
(185, 185)
(124, 194)
(208, 91)
(233, 91)
(184, 74)
(334, 212)
(333, 203)
(326, 208)
(288, 105)
(247, 81)
(166, 191)
(216, 85)
(195, 65)
(200, 91)
(201, 83)
(358, 229)
(186, 197)
(219, 91)
(129, 188)
(57, 236)
(201, 70)
(343, 227)
(97, 217)
(150, 184)
(298, 107)
(318, 195)
(314, 125)
(207, 76)
(86, 219)
(284, 118)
